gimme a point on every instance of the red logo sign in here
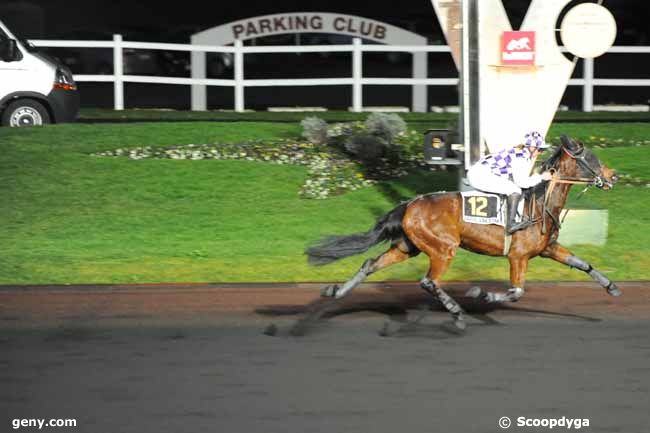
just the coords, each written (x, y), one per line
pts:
(518, 48)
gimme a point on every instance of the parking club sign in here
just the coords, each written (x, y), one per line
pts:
(518, 48)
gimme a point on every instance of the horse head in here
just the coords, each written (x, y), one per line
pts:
(585, 164)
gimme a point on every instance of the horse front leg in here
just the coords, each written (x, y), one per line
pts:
(518, 268)
(563, 255)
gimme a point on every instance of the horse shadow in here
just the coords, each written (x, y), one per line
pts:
(416, 315)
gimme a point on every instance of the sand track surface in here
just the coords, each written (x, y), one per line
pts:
(194, 358)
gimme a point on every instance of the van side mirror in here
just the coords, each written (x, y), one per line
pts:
(9, 50)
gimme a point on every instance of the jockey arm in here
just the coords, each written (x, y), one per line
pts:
(521, 174)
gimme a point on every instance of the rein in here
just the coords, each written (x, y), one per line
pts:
(564, 179)
(556, 179)
(549, 190)
(573, 180)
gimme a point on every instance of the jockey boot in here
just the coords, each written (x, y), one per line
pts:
(512, 226)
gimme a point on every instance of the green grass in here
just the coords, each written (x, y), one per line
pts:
(434, 119)
(68, 217)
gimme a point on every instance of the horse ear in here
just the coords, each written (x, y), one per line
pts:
(572, 145)
(566, 141)
(576, 147)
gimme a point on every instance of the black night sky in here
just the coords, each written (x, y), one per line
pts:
(153, 20)
(157, 21)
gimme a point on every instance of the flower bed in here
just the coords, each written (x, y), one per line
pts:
(330, 172)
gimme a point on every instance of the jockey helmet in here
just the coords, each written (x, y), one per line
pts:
(535, 139)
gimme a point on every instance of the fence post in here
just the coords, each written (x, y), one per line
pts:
(197, 68)
(118, 72)
(239, 76)
(419, 91)
(357, 75)
(588, 88)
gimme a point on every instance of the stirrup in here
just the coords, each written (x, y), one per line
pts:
(520, 225)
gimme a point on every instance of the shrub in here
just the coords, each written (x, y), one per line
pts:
(314, 130)
(386, 125)
(367, 148)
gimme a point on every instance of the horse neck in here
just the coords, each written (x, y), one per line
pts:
(560, 193)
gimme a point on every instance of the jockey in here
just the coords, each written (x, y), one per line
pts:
(508, 172)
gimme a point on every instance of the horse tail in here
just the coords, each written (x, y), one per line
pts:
(332, 248)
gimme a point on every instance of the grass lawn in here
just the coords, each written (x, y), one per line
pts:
(99, 114)
(69, 217)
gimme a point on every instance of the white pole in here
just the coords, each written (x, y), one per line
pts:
(357, 75)
(588, 88)
(239, 76)
(419, 92)
(118, 72)
(197, 67)
(465, 95)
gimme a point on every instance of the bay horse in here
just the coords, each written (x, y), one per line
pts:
(433, 224)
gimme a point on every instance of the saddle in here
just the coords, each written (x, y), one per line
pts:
(487, 208)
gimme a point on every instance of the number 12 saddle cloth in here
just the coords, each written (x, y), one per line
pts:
(487, 208)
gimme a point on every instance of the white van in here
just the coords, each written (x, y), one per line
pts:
(35, 89)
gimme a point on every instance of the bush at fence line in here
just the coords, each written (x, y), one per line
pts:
(380, 141)
(386, 125)
(314, 130)
(367, 148)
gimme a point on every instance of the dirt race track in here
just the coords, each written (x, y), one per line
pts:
(194, 358)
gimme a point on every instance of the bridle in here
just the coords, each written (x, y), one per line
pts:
(595, 180)
(579, 156)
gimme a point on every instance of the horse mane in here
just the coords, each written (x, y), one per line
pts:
(539, 190)
(552, 160)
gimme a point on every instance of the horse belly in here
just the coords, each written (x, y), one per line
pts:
(482, 239)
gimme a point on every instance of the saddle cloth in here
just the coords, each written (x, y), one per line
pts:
(486, 208)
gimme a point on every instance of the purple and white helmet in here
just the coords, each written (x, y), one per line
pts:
(535, 139)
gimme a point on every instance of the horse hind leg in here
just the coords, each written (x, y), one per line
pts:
(396, 253)
(456, 311)
(439, 261)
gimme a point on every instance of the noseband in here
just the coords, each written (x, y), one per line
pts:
(596, 180)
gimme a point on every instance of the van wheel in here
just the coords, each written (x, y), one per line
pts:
(25, 112)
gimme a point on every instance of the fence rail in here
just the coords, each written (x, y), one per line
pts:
(356, 80)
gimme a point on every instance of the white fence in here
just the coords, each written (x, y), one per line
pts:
(356, 80)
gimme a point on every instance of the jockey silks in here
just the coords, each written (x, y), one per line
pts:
(506, 172)
(501, 162)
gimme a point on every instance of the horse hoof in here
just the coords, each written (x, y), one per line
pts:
(271, 330)
(614, 290)
(474, 292)
(329, 291)
(385, 330)
(515, 294)
(456, 327)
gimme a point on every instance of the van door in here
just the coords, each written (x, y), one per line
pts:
(12, 73)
